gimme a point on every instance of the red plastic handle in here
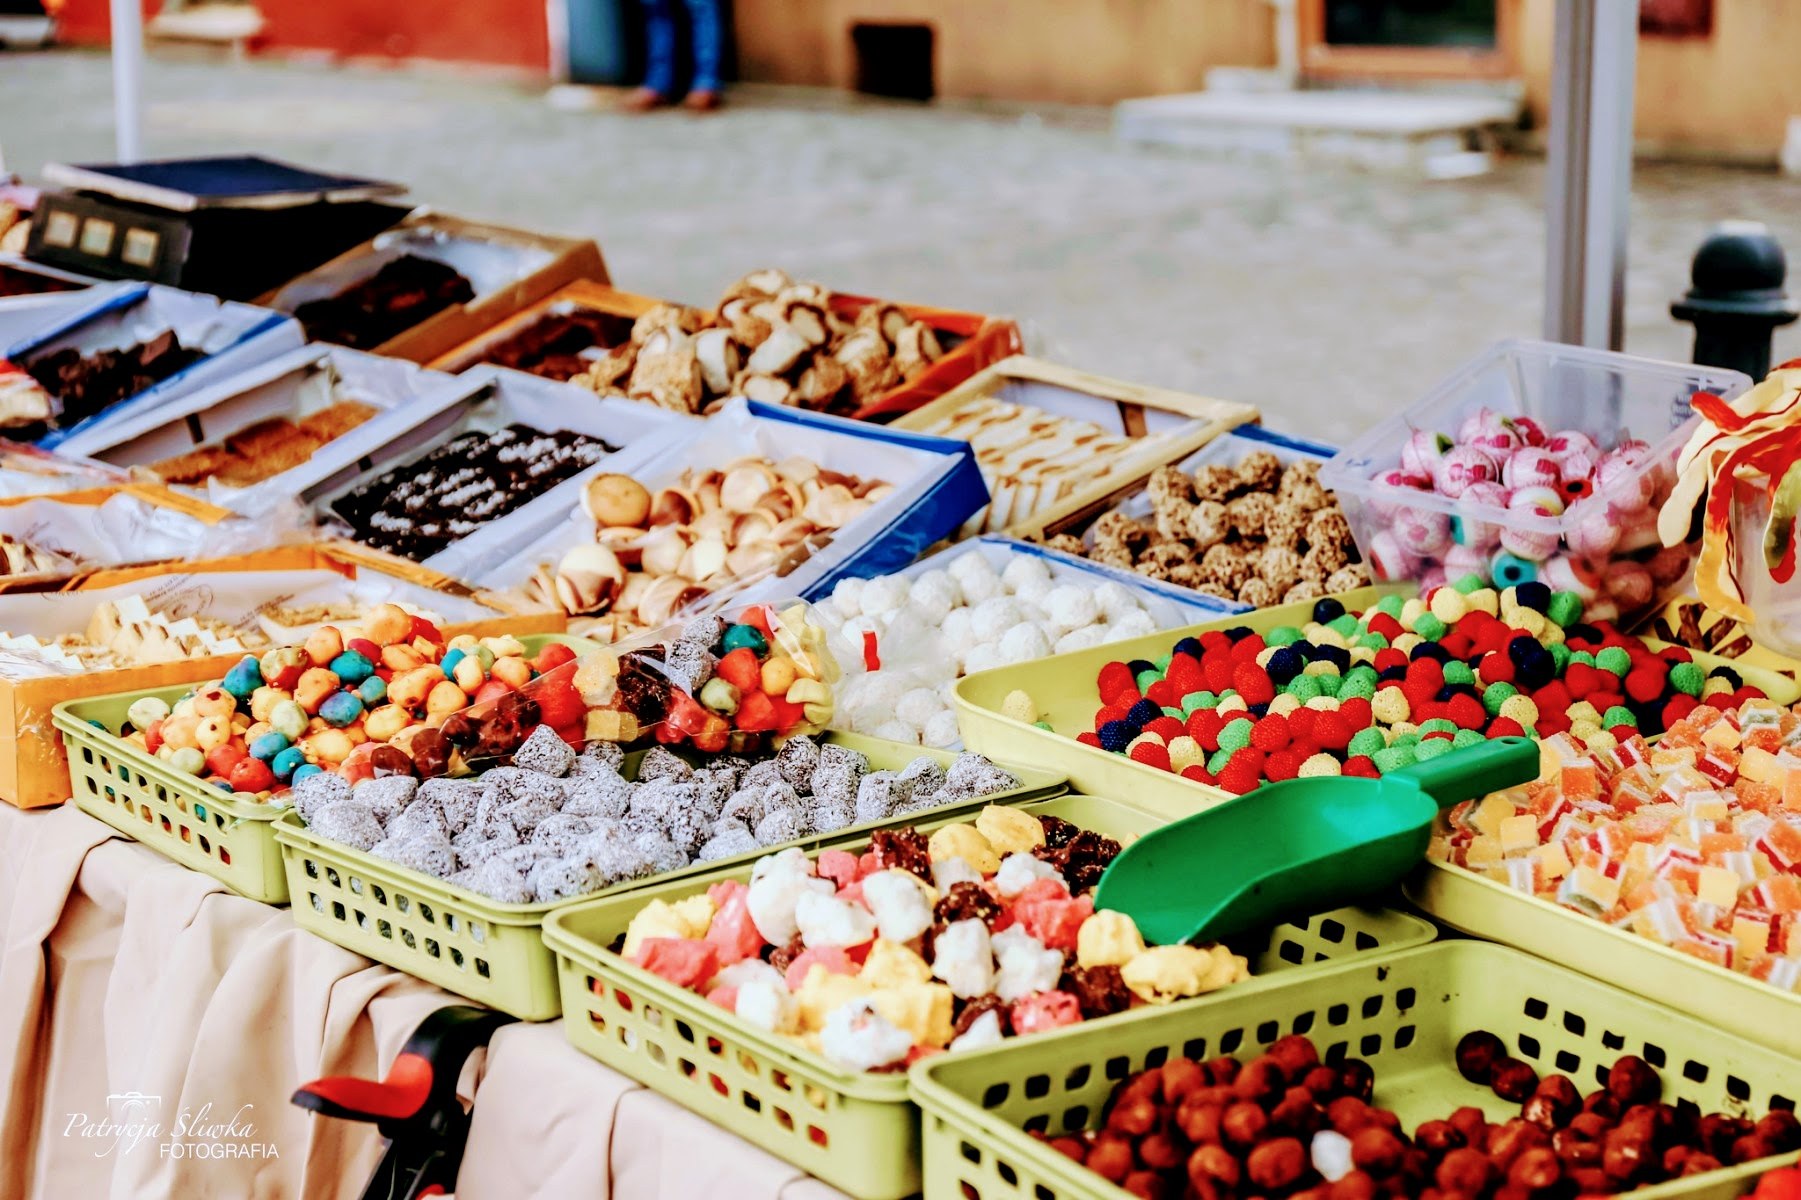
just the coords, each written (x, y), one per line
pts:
(401, 1094)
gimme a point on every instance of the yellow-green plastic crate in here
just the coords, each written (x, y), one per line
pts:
(858, 1132)
(493, 952)
(1063, 689)
(179, 815)
(1402, 1013)
(1487, 908)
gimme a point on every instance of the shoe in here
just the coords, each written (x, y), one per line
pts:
(643, 100)
(702, 100)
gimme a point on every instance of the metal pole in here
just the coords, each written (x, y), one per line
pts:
(1589, 171)
(128, 79)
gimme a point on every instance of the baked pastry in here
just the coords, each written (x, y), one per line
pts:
(265, 449)
(403, 293)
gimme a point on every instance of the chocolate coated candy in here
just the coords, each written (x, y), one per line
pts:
(390, 760)
(431, 752)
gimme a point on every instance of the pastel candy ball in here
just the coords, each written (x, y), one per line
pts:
(1422, 532)
(188, 760)
(1389, 559)
(288, 718)
(1423, 452)
(287, 762)
(1531, 467)
(1464, 467)
(341, 709)
(352, 667)
(244, 679)
(305, 771)
(269, 745)
(146, 711)
(372, 691)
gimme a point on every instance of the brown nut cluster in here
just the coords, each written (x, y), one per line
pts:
(654, 554)
(1225, 1130)
(1259, 533)
(770, 339)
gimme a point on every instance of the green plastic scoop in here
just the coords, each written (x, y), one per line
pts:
(1298, 847)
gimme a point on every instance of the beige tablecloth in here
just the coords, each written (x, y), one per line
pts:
(153, 1026)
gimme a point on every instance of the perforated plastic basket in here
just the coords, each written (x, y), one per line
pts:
(494, 952)
(1402, 1013)
(858, 1132)
(1486, 908)
(1063, 688)
(179, 815)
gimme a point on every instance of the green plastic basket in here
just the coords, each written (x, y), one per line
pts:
(1403, 1014)
(179, 815)
(493, 952)
(1487, 908)
(858, 1132)
(1062, 687)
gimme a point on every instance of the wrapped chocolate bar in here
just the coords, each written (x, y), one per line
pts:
(732, 682)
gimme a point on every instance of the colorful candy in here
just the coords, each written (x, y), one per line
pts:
(1694, 842)
(984, 930)
(1367, 694)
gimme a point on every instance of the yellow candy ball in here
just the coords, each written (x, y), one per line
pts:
(1389, 706)
(1520, 708)
(1449, 605)
(1320, 764)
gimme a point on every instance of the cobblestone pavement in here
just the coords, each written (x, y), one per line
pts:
(1328, 297)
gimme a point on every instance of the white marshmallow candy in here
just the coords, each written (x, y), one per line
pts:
(983, 656)
(847, 597)
(970, 565)
(1023, 643)
(1024, 569)
(941, 731)
(769, 1006)
(963, 957)
(932, 597)
(983, 1032)
(1113, 599)
(1033, 592)
(977, 588)
(894, 731)
(884, 595)
(1027, 965)
(899, 904)
(955, 628)
(745, 972)
(824, 920)
(1137, 623)
(1071, 607)
(1331, 1155)
(856, 1036)
(918, 706)
(1085, 638)
(1019, 872)
(994, 617)
(777, 883)
(948, 871)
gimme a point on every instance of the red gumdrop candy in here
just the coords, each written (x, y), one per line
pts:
(357, 767)
(489, 692)
(684, 962)
(251, 775)
(221, 759)
(423, 628)
(839, 866)
(741, 669)
(554, 655)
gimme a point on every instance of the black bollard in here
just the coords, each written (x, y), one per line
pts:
(1736, 299)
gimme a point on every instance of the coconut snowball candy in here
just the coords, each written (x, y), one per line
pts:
(979, 613)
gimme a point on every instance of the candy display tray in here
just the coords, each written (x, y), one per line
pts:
(1487, 908)
(1063, 688)
(858, 1132)
(1401, 1013)
(178, 815)
(1164, 425)
(494, 952)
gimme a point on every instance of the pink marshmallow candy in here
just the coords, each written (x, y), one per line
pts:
(1530, 467)
(1389, 559)
(1401, 480)
(1530, 431)
(1472, 426)
(1464, 467)
(1422, 453)
(1629, 585)
(1476, 533)
(1046, 1010)
(1624, 483)
(1566, 574)
(1465, 560)
(1592, 533)
(1422, 531)
(1565, 442)
(1532, 544)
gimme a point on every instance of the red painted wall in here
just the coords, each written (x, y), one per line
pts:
(510, 33)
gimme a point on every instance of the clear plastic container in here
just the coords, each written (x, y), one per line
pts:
(1775, 607)
(1603, 543)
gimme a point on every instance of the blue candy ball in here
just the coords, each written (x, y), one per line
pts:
(340, 709)
(373, 690)
(268, 745)
(244, 678)
(288, 762)
(304, 770)
(449, 662)
(352, 667)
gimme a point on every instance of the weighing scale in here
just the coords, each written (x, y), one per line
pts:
(234, 227)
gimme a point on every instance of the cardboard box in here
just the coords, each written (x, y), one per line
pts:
(1178, 424)
(510, 269)
(581, 294)
(971, 342)
(33, 769)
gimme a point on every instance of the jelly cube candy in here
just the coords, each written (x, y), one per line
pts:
(1779, 894)
(1781, 844)
(1490, 813)
(1709, 947)
(1484, 852)
(1520, 874)
(1782, 973)
(1661, 921)
(1758, 764)
(1758, 797)
(1791, 787)
(1722, 735)
(1634, 749)
(1589, 889)
(1519, 833)
(1717, 886)
(1580, 779)
(1767, 738)
(1550, 864)
(1715, 846)
(1719, 764)
(1752, 931)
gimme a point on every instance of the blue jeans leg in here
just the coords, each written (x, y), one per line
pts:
(659, 47)
(705, 24)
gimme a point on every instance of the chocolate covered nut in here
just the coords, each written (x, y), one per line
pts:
(1276, 1164)
(1631, 1080)
(1513, 1080)
(1465, 1171)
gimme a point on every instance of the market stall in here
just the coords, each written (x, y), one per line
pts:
(798, 720)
